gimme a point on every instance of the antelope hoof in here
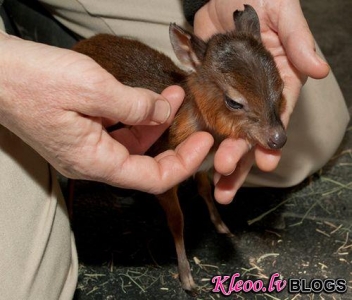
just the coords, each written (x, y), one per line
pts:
(223, 229)
(189, 286)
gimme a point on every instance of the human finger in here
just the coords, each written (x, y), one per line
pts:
(101, 95)
(298, 41)
(226, 187)
(137, 139)
(156, 175)
(228, 155)
(267, 160)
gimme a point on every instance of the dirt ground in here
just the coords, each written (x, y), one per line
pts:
(126, 251)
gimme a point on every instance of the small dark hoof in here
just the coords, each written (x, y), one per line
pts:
(221, 228)
(190, 287)
(194, 292)
(229, 235)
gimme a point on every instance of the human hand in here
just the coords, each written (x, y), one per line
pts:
(286, 34)
(59, 102)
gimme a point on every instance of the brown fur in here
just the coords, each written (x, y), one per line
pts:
(235, 64)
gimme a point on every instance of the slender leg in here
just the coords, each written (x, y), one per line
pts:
(204, 190)
(169, 202)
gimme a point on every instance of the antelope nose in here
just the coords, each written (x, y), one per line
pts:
(277, 138)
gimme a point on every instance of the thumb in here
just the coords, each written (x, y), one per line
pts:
(299, 43)
(104, 96)
(138, 106)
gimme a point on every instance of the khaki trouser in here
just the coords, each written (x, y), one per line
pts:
(38, 257)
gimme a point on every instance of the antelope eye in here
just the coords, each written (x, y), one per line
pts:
(232, 104)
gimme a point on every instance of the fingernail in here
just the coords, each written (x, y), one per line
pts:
(216, 178)
(162, 111)
(228, 174)
(321, 60)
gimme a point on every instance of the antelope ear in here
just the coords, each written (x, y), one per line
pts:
(247, 21)
(189, 49)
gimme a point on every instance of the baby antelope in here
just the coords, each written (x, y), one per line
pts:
(233, 90)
